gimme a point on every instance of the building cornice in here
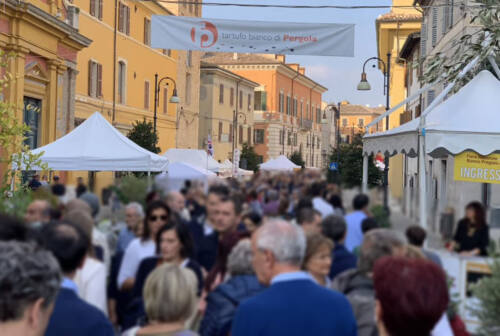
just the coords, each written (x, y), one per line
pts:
(214, 69)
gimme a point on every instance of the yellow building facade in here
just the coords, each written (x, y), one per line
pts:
(393, 29)
(44, 65)
(117, 77)
(225, 95)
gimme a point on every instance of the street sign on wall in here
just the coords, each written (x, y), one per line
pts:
(258, 37)
(472, 167)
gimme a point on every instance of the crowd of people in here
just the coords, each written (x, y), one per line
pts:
(273, 255)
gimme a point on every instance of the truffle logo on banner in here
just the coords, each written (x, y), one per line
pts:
(207, 39)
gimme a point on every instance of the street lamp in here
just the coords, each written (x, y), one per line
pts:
(174, 99)
(364, 85)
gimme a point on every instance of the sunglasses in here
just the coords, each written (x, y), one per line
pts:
(155, 218)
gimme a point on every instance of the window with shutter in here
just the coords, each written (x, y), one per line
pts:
(295, 107)
(99, 80)
(101, 2)
(431, 94)
(281, 138)
(249, 136)
(92, 8)
(221, 94)
(241, 100)
(90, 91)
(452, 9)
(301, 109)
(121, 18)
(127, 21)
(122, 76)
(230, 133)
(446, 16)
(220, 131)
(281, 102)
(165, 100)
(147, 32)
(231, 97)
(249, 107)
(146, 95)
(189, 58)
(434, 25)
(423, 41)
(240, 135)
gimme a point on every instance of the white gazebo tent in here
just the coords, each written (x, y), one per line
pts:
(195, 157)
(179, 172)
(281, 163)
(468, 120)
(96, 145)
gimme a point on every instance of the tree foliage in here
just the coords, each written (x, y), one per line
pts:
(487, 291)
(144, 135)
(350, 164)
(16, 155)
(296, 158)
(252, 159)
(483, 43)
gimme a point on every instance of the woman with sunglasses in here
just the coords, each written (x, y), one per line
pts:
(157, 215)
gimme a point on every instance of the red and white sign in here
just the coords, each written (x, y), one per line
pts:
(261, 37)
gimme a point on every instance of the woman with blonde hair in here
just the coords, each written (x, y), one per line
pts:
(170, 300)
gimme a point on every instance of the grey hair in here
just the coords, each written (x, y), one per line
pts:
(28, 273)
(377, 243)
(239, 261)
(137, 207)
(285, 240)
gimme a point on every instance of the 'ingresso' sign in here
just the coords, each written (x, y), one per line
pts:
(472, 167)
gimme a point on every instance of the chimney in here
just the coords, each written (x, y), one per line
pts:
(281, 58)
(235, 56)
(302, 70)
(73, 16)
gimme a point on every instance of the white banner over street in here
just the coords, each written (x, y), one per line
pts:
(260, 37)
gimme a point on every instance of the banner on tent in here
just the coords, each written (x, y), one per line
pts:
(472, 167)
(261, 37)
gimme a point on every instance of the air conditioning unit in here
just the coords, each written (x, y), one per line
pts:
(73, 16)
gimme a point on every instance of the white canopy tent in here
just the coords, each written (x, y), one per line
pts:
(468, 120)
(178, 173)
(227, 170)
(281, 163)
(195, 157)
(96, 145)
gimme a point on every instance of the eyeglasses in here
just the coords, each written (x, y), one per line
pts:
(155, 218)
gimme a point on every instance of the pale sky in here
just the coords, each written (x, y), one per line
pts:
(339, 74)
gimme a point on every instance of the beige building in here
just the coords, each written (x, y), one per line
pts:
(354, 118)
(226, 110)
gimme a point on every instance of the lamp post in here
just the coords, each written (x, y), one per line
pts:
(174, 99)
(365, 86)
(236, 114)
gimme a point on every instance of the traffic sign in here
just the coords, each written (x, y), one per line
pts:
(334, 166)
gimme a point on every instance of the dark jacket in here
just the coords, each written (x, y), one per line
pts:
(342, 260)
(295, 308)
(223, 301)
(360, 292)
(205, 245)
(73, 316)
(470, 239)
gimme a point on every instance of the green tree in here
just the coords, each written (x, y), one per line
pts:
(252, 159)
(487, 291)
(296, 158)
(16, 155)
(483, 43)
(351, 165)
(143, 134)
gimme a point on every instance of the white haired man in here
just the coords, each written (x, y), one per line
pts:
(177, 203)
(134, 215)
(294, 304)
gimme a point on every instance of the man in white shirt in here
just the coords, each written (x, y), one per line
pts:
(319, 203)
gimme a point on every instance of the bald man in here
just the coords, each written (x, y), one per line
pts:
(38, 213)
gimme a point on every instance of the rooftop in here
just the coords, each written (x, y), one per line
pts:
(360, 109)
(397, 17)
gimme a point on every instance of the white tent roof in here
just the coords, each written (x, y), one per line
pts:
(96, 145)
(468, 120)
(178, 172)
(195, 157)
(281, 163)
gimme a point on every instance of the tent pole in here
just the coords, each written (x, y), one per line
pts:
(494, 64)
(12, 181)
(149, 179)
(422, 194)
(364, 185)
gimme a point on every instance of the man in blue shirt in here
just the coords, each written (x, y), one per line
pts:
(294, 304)
(354, 233)
(335, 228)
(72, 316)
